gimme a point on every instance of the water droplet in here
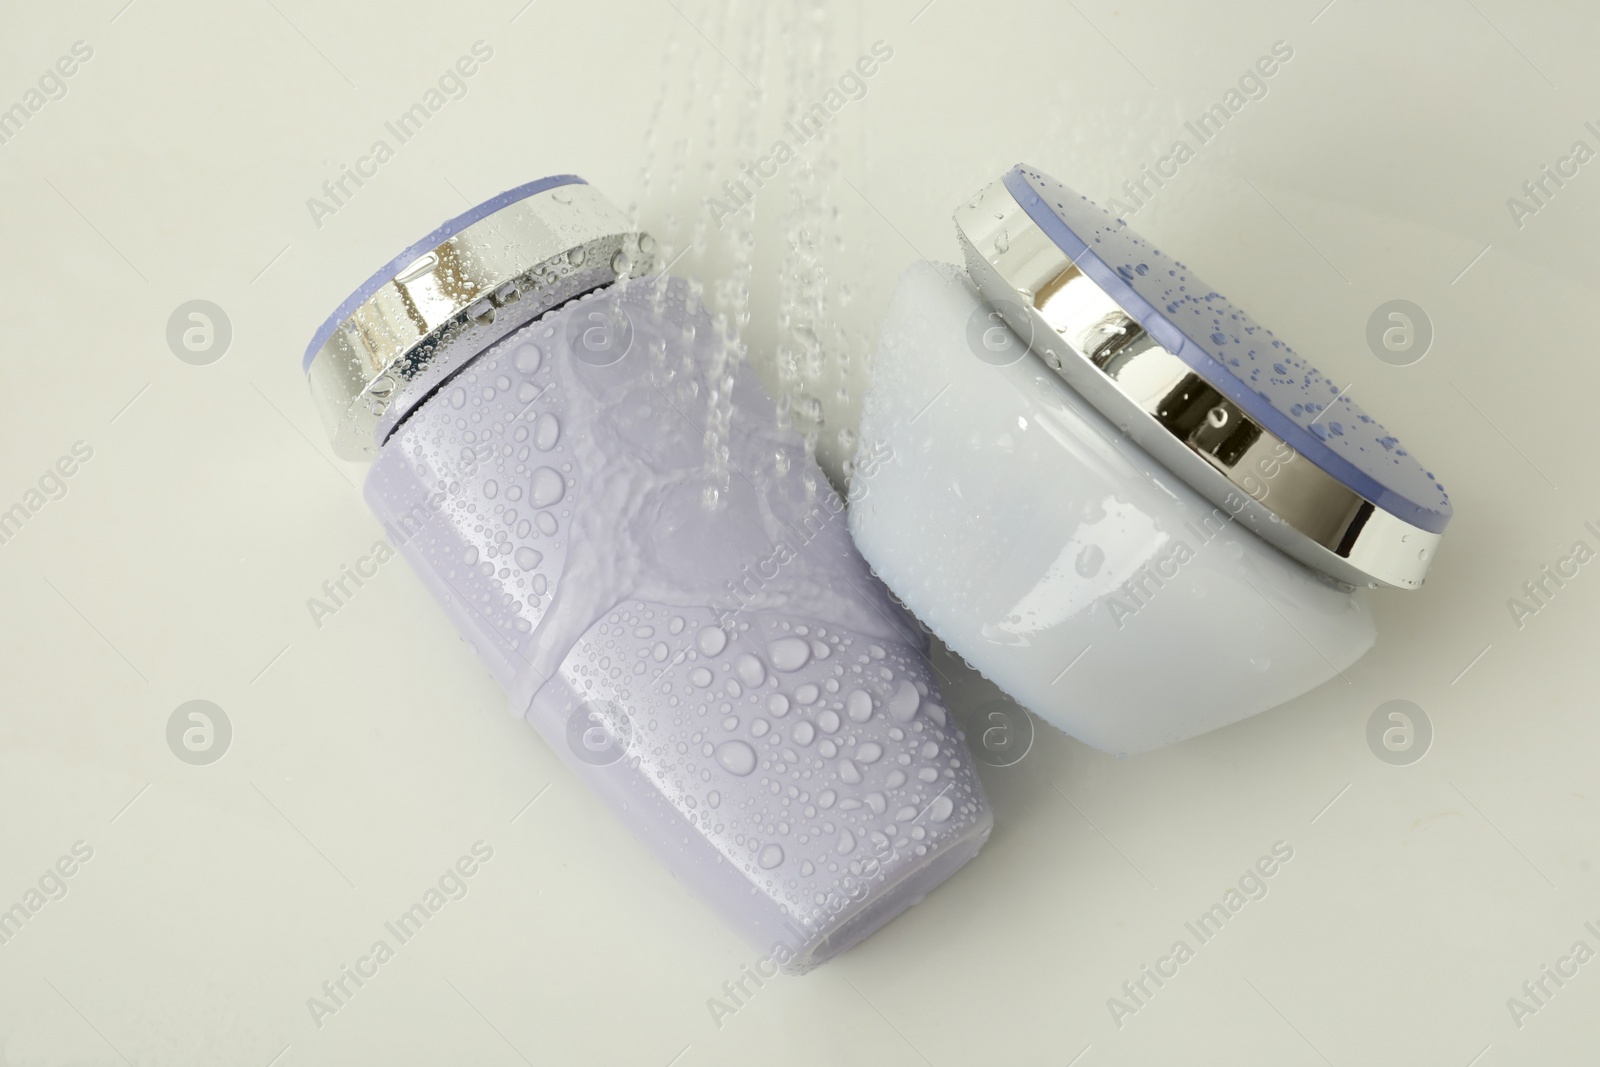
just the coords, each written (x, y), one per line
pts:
(546, 523)
(858, 705)
(847, 843)
(803, 733)
(548, 487)
(869, 752)
(470, 556)
(527, 558)
(903, 705)
(714, 798)
(546, 431)
(1090, 559)
(770, 857)
(828, 721)
(620, 264)
(527, 357)
(941, 808)
(807, 694)
(736, 757)
(826, 798)
(789, 653)
(778, 704)
(700, 677)
(1002, 241)
(849, 773)
(877, 802)
(750, 670)
(712, 640)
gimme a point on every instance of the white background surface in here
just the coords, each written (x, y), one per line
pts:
(370, 753)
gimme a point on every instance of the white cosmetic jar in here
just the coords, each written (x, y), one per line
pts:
(1129, 600)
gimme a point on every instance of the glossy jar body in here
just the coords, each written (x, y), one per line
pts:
(1058, 558)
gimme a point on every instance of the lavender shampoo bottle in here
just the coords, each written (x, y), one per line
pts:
(699, 641)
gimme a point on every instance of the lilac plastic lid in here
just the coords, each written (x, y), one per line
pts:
(1234, 353)
(433, 240)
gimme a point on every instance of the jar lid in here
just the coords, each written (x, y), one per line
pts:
(1213, 396)
(457, 291)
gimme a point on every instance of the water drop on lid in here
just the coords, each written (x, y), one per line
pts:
(470, 556)
(828, 721)
(807, 694)
(849, 773)
(1002, 241)
(941, 808)
(546, 523)
(736, 757)
(789, 653)
(778, 704)
(548, 487)
(826, 798)
(847, 843)
(713, 798)
(712, 640)
(858, 705)
(527, 558)
(1090, 559)
(770, 857)
(803, 733)
(877, 802)
(905, 814)
(620, 264)
(869, 752)
(700, 677)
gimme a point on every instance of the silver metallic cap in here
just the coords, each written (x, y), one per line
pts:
(1171, 411)
(457, 291)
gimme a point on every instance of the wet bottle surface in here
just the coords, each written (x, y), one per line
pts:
(720, 667)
